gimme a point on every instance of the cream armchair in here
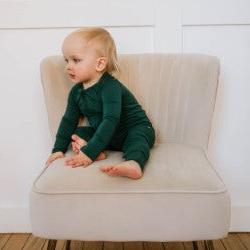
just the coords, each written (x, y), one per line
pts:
(181, 197)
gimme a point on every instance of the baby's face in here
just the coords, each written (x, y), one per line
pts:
(80, 61)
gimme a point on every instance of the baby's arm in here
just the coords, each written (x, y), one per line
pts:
(112, 100)
(68, 123)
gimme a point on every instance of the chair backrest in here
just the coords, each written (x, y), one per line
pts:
(177, 91)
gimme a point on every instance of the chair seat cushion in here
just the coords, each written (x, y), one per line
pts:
(171, 168)
(179, 189)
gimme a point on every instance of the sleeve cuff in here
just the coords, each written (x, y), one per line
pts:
(58, 149)
(90, 153)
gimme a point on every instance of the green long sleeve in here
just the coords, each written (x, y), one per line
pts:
(110, 108)
(111, 100)
(68, 123)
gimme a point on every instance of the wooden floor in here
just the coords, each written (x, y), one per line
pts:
(16, 241)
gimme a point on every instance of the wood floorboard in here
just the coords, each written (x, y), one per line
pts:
(245, 239)
(232, 241)
(34, 243)
(187, 245)
(3, 239)
(218, 245)
(93, 245)
(60, 245)
(77, 245)
(16, 241)
(153, 246)
(26, 241)
(135, 245)
(112, 245)
(174, 245)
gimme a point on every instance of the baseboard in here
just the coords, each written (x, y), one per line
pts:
(15, 219)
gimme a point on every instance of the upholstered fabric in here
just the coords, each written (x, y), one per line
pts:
(172, 167)
(181, 197)
(176, 90)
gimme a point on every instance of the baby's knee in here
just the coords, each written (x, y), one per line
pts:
(137, 146)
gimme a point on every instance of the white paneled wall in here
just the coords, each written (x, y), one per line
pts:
(233, 114)
(31, 30)
(222, 28)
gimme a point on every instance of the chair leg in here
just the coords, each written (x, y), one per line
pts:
(68, 244)
(51, 245)
(209, 245)
(195, 246)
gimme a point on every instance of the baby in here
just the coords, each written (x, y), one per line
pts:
(117, 121)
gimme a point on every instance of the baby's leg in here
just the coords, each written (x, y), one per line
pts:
(136, 149)
(80, 138)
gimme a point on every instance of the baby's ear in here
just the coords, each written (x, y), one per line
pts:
(101, 63)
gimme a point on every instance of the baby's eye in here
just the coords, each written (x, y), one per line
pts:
(76, 60)
(66, 60)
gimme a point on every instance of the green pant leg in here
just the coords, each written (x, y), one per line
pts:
(137, 144)
(116, 141)
(85, 132)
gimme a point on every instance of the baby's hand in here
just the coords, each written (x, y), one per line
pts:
(80, 159)
(53, 157)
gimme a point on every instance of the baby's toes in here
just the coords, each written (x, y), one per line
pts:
(113, 172)
(114, 169)
(106, 168)
(74, 137)
(103, 168)
(78, 140)
(76, 145)
(81, 142)
(76, 151)
(75, 148)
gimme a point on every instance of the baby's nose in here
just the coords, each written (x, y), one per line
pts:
(69, 64)
(68, 67)
(68, 70)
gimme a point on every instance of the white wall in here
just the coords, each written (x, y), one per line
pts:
(222, 28)
(31, 30)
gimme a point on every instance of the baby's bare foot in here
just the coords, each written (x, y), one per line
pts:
(129, 169)
(78, 142)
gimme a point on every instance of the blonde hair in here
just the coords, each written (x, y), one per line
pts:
(103, 44)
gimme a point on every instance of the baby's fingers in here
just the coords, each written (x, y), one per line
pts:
(48, 162)
(73, 163)
(69, 161)
(76, 164)
(52, 158)
(59, 156)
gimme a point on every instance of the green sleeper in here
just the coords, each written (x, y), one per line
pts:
(116, 121)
